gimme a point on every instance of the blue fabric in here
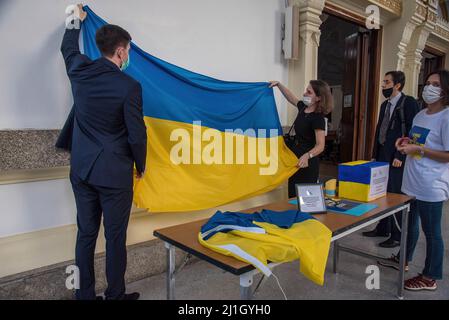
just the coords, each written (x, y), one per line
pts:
(174, 93)
(359, 173)
(356, 211)
(282, 219)
(227, 218)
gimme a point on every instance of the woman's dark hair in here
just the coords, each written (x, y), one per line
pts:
(444, 83)
(322, 90)
(109, 37)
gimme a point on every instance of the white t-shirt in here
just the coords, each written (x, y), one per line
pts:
(424, 178)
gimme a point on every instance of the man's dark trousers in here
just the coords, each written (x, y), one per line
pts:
(115, 204)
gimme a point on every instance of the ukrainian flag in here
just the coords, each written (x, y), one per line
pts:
(270, 236)
(210, 142)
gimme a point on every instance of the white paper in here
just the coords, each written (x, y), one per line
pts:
(311, 198)
(379, 181)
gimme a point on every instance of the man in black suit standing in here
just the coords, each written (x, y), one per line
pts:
(395, 121)
(107, 136)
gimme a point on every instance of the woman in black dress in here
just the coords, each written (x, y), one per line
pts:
(309, 128)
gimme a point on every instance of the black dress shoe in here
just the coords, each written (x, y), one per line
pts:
(389, 243)
(132, 296)
(374, 233)
(127, 296)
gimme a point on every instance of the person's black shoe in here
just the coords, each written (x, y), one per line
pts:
(127, 296)
(374, 233)
(389, 243)
(132, 296)
(392, 262)
(99, 298)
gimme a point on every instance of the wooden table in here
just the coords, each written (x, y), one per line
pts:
(185, 237)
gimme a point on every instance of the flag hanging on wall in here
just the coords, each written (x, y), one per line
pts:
(210, 142)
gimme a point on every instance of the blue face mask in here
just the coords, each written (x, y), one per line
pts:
(126, 63)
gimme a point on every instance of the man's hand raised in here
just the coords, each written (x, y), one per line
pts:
(81, 12)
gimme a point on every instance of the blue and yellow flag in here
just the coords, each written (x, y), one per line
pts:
(270, 236)
(210, 142)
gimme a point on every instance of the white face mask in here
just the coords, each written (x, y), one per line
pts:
(307, 100)
(431, 94)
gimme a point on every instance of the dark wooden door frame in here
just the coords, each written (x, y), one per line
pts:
(367, 119)
(344, 14)
(351, 88)
(373, 92)
(438, 53)
(361, 114)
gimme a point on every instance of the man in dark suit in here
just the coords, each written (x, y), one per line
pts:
(107, 136)
(395, 121)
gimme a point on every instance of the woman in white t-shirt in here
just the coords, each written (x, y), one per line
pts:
(426, 177)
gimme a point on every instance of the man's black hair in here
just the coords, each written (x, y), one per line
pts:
(109, 37)
(398, 77)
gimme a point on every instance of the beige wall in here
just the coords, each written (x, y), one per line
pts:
(46, 247)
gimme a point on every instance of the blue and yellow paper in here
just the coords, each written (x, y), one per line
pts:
(363, 180)
(187, 116)
(418, 136)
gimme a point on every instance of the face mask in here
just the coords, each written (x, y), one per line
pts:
(431, 94)
(125, 64)
(307, 100)
(387, 92)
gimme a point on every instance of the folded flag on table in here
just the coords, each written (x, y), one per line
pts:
(270, 236)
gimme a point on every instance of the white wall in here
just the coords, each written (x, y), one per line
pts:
(230, 40)
(27, 207)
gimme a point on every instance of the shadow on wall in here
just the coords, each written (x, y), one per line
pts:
(280, 16)
(4, 5)
(40, 68)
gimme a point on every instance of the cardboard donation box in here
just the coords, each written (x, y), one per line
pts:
(363, 180)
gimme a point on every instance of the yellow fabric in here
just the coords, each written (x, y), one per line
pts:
(356, 191)
(170, 187)
(308, 241)
(355, 163)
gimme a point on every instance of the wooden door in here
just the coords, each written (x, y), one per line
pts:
(351, 80)
(356, 95)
